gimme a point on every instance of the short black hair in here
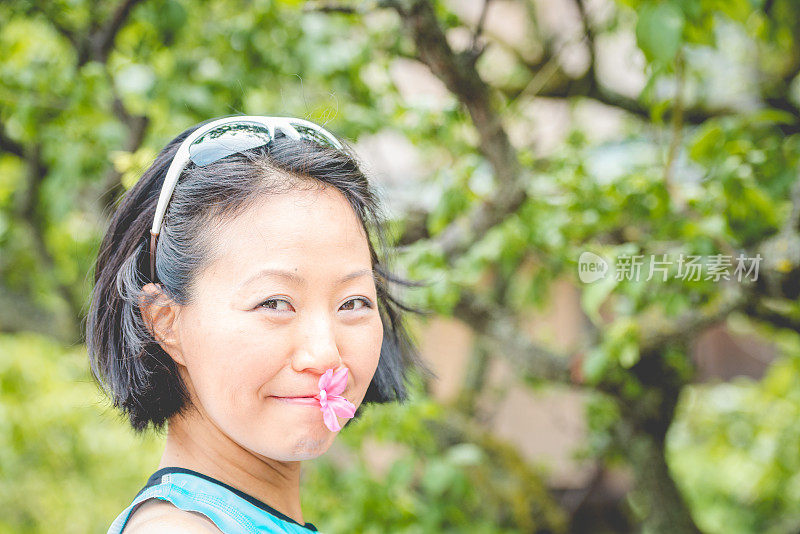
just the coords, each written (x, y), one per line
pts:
(126, 362)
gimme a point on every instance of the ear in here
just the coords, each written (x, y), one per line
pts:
(161, 317)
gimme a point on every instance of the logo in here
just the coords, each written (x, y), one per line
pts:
(716, 267)
(591, 267)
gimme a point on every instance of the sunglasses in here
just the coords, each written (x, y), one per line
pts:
(222, 138)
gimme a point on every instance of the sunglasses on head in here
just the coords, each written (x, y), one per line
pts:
(221, 138)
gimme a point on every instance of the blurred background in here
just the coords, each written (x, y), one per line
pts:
(550, 167)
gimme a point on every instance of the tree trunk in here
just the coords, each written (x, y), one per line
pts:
(656, 498)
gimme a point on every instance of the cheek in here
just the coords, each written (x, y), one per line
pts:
(230, 361)
(366, 352)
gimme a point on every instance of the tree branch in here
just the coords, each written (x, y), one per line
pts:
(475, 48)
(561, 85)
(760, 311)
(137, 128)
(461, 78)
(781, 255)
(457, 72)
(590, 37)
(792, 224)
(95, 42)
(103, 41)
(532, 362)
(9, 145)
(44, 9)
(332, 7)
(28, 209)
(676, 128)
(656, 334)
(535, 363)
(18, 313)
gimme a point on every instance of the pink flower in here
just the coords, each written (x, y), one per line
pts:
(330, 386)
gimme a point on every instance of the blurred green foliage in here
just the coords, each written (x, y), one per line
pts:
(433, 484)
(734, 451)
(66, 460)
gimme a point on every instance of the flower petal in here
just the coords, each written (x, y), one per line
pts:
(330, 420)
(342, 407)
(325, 379)
(338, 382)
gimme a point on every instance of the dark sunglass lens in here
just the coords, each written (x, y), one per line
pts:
(313, 135)
(227, 139)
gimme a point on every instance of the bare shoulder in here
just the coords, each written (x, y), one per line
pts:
(156, 516)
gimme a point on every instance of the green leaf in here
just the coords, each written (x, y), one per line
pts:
(659, 31)
(628, 354)
(706, 142)
(594, 294)
(594, 365)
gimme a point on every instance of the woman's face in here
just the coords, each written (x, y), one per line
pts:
(289, 294)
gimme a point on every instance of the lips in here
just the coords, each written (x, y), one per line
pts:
(309, 401)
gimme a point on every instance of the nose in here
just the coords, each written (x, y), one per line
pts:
(317, 349)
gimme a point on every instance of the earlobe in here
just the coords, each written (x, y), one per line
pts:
(160, 313)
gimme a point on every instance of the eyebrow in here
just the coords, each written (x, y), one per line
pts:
(299, 280)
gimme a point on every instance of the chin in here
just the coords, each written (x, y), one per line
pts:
(307, 448)
(293, 451)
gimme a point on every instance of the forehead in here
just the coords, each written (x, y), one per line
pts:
(313, 231)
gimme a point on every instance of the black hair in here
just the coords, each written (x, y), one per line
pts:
(126, 361)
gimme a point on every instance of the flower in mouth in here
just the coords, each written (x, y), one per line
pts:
(331, 385)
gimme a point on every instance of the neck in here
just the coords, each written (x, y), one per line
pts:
(194, 442)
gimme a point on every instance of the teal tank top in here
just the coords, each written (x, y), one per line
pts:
(232, 510)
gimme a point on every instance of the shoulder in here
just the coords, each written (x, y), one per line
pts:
(156, 516)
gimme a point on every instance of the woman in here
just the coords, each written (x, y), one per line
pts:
(239, 301)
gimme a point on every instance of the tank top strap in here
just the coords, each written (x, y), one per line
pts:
(229, 511)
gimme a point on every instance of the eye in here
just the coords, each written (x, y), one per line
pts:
(271, 304)
(367, 303)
